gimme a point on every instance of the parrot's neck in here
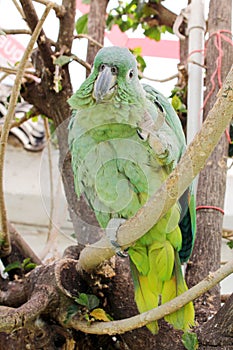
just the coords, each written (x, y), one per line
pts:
(110, 113)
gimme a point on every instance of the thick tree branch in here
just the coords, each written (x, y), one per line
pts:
(191, 163)
(218, 331)
(209, 222)
(121, 326)
(42, 41)
(66, 28)
(14, 294)
(163, 17)
(11, 319)
(96, 28)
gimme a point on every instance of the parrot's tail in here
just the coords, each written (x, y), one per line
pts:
(158, 278)
(144, 297)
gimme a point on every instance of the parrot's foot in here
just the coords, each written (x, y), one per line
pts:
(111, 231)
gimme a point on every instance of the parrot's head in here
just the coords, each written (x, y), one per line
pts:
(115, 72)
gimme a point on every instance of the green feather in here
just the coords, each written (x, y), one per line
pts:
(184, 317)
(175, 238)
(144, 297)
(139, 257)
(164, 261)
(125, 139)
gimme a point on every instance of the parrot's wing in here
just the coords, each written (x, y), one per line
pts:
(172, 128)
(187, 223)
(173, 133)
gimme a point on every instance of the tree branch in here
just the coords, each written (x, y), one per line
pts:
(17, 31)
(20, 10)
(27, 73)
(4, 232)
(66, 28)
(14, 293)
(121, 326)
(11, 319)
(42, 41)
(191, 163)
(89, 38)
(174, 76)
(80, 61)
(22, 245)
(163, 17)
(60, 11)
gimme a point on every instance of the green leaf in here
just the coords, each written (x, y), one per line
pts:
(163, 29)
(2, 32)
(71, 311)
(62, 60)
(27, 264)
(89, 300)
(176, 102)
(153, 33)
(141, 63)
(110, 22)
(86, 2)
(30, 266)
(230, 244)
(34, 119)
(190, 341)
(137, 51)
(13, 266)
(81, 24)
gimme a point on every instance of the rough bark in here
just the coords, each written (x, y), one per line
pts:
(218, 332)
(182, 82)
(206, 255)
(163, 16)
(96, 27)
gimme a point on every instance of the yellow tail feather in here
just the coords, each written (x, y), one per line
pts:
(157, 276)
(144, 297)
(184, 317)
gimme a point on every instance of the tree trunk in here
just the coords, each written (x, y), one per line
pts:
(96, 27)
(206, 256)
(218, 332)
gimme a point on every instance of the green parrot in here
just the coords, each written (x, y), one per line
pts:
(125, 139)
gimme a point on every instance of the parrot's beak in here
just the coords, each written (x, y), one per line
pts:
(105, 85)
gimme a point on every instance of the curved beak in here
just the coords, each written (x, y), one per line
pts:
(104, 85)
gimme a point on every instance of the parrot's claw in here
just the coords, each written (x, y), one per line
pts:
(118, 249)
(111, 231)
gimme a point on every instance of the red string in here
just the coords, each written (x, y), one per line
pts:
(218, 37)
(210, 207)
(228, 136)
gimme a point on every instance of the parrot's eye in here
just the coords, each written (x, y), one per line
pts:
(102, 66)
(131, 73)
(114, 70)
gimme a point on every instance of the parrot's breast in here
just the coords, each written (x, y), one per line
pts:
(115, 169)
